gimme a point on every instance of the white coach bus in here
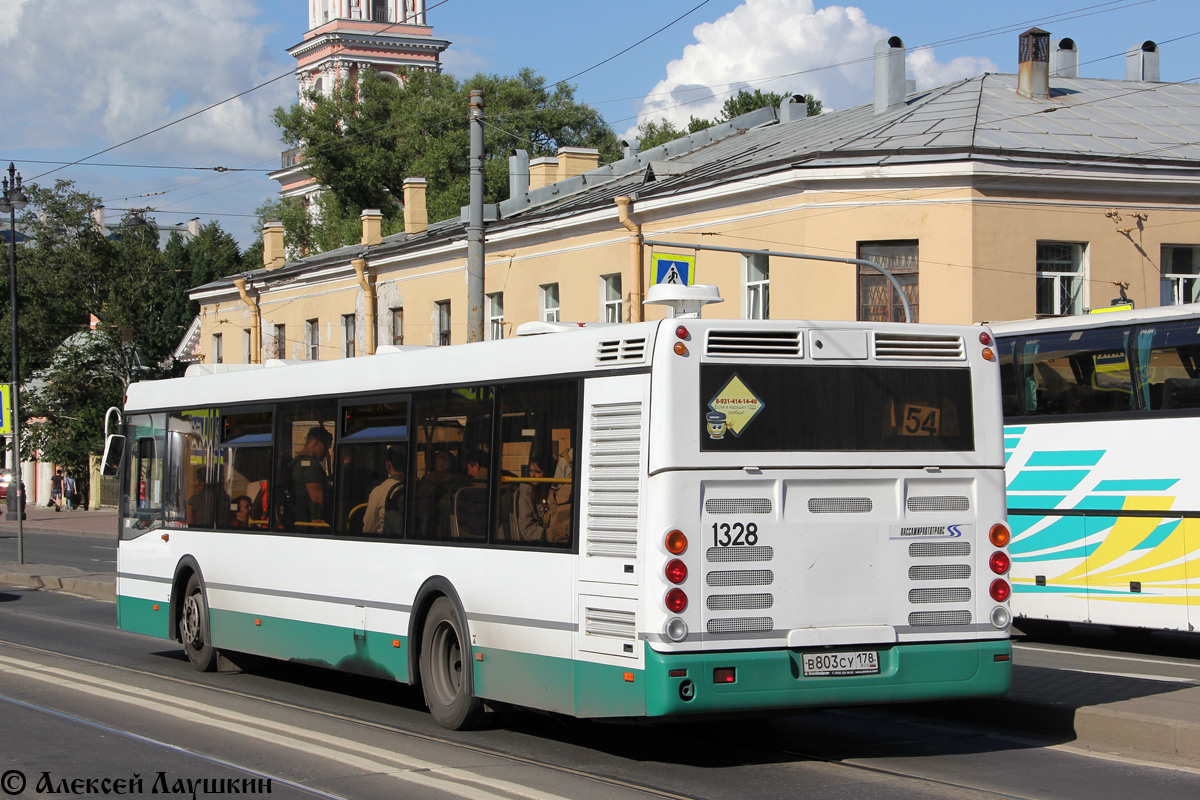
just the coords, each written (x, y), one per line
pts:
(645, 520)
(1103, 497)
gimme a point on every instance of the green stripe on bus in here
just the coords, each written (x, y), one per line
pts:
(138, 615)
(380, 655)
(773, 679)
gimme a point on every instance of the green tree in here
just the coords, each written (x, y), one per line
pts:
(655, 132)
(368, 136)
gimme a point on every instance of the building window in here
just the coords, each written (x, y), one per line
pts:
(312, 339)
(878, 300)
(610, 289)
(397, 323)
(379, 11)
(548, 300)
(1180, 274)
(348, 332)
(246, 354)
(758, 287)
(443, 321)
(1060, 277)
(495, 320)
(218, 351)
(280, 342)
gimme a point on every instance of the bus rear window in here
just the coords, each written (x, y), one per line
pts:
(764, 408)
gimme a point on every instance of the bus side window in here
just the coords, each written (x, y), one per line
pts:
(301, 493)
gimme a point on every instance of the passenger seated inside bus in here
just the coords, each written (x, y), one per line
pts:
(432, 497)
(241, 513)
(531, 508)
(207, 504)
(309, 481)
(469, 502)
(385, 505)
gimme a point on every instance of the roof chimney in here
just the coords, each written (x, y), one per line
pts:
(1033, 75)
(372, 226)
(1141, 63)
(416, 217)
(98, 218)
(1064, 61)
(274, 256)
(792, 108)
(574, 161)
(542, 172)
(630, 147)
(889, 75)
(518, 173)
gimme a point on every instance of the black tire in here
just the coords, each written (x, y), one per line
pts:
(193, 627)
(444, 665)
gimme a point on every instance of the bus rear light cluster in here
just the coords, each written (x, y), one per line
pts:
(999, 535)
(682, 334)
(676, 601)
(676, 542)
(1000, 590)
(999, 562)
(985, 339)
(676, 571)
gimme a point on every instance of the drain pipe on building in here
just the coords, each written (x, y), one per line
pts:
(635, 257)
(256, 320)
(367, 284)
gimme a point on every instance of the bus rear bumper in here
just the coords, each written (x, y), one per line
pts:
(689, 683)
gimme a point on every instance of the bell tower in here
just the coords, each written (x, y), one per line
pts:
(345, 38)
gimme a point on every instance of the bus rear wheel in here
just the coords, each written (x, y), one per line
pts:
(444, 665)
(193, 627)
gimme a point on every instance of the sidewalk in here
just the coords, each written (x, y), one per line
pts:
(1151, 717)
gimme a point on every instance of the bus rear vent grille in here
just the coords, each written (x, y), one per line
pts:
(716, 555)
(954, 594)
(746, 625)
(744, 505)
(610, 623)
(741, 577)
(944, 503)
(918, 346)
(739, 602)
(840, 505)
(613, 480)
(621, 351)
(939, 549)
(918, 618)
(940, 572)
(770, 344)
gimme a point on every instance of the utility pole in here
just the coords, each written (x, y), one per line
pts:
(475, 223)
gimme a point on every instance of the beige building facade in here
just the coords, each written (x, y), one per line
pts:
(993, 198)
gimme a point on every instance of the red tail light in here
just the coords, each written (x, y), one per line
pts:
(1000, 590)
(676, 571)
(999, 562)
(676, 601)
(724, 674)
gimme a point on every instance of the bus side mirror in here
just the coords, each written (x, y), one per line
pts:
(114, 452)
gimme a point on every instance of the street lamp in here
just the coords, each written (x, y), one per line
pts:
(12, 201)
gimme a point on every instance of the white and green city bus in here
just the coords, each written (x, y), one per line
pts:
(645, 520)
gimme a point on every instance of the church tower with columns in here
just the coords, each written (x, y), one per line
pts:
(344, 38)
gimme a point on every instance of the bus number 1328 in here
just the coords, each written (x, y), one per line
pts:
(735, 535)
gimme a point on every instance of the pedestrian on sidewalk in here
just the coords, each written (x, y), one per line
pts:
(69, 491)
(56, 490)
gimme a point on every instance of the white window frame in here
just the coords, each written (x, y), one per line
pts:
(218, 349)
(612, 308)
(549, 306)
(1178, 288)
(281, 341)
(756, 286)
(441, 310)
(312, 339)
(1050, 274)
(495, 317)
(246, 354)
(349, 334)
(396, 321)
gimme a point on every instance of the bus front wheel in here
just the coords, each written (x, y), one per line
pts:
(193, 627)
(444, 662)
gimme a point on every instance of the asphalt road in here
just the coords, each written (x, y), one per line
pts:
(83, 700)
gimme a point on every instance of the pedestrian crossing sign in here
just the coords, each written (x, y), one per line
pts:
(673, 269)
(6, 403)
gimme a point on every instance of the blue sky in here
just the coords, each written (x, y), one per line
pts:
(82, 76)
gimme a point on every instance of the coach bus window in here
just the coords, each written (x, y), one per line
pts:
(244, 464)
(192, 496)
(142, 491)
(451, 429)
(1168, 358)
(539, 425)
(1078, 372)
(301, 492)
(372, 457)
(1008, 377)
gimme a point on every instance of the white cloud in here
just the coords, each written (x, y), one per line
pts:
(783, 46)
(86, 74)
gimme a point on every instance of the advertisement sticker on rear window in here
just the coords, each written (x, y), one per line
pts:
(732, 409)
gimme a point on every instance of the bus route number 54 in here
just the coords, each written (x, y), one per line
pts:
(735, 535)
